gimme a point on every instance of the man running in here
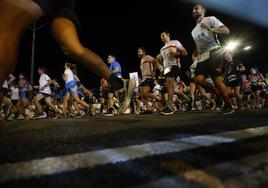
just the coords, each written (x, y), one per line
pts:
(44, 93)
(208, 54)
(170, 54)
(148, 65)
(233, 70)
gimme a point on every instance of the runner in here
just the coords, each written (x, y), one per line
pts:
(170, 54)
(209, 55)
(148, 65)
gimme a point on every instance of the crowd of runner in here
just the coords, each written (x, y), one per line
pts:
(49, 99)
(216, 80)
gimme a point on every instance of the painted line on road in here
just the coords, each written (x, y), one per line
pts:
(72, 162)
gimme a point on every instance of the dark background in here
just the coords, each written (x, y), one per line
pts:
(120, 27)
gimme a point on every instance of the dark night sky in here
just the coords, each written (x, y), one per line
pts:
(119, 28)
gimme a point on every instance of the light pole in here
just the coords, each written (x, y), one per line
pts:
(34, 30)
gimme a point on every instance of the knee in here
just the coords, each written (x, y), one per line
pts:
(110, 96)
(199, 80)
(35, 100)
(170, 81)
(144, 93)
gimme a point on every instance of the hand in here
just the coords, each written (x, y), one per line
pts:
(195, 58)
(174, 54)
(42, 88)
(204, 26)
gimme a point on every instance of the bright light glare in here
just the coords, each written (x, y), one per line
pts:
(231, 45)
(247, 48)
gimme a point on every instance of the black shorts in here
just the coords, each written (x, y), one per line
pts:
(235, 83)
(174, 73)
(105, 93)
(149, 82)
(211, 67)
(59, 8)
(4, 92)
(14, 102)
(164, 89)
(255, 88)
(192, 79)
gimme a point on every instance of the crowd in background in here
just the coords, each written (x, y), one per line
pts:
(49, 99)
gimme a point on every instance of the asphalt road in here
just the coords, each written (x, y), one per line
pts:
(187, 149)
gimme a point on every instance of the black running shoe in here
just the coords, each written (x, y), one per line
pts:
(227, 110)
(167, 111)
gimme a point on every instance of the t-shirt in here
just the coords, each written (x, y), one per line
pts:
(70, 75)
(14, 93)
(230, 71)
(204, 39)
(256, 79)
(114, 65)
(42, 82)
(5, 84)
(147, 66)
(246, 86)
(171, 46)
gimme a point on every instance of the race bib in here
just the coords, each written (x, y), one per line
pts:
(232, 78)
(167, 70)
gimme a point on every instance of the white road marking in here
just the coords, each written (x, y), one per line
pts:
(72, 162)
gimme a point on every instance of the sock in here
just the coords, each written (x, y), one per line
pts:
(116, 83)
(169, 104)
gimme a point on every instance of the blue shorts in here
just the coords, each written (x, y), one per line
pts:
(23, 95)
(58, 8)
(72, 90)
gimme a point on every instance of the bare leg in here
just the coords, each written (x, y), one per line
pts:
(65, 103)
(110, 100)
(145, 94)
(79, 101)
(64, 32)
(51, 105)
(37, 104)
(238, 96)
(192, 89)
(221, 86)
(200, 79)
(170, 86)
(15, 16)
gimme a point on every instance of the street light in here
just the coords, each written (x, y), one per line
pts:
(232, 45)
(247, 48)
(34, 30)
